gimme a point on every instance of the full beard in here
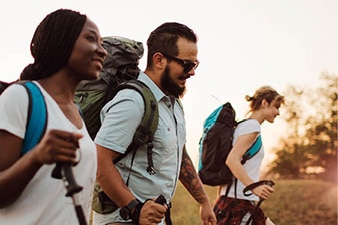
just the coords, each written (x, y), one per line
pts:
(169, 85)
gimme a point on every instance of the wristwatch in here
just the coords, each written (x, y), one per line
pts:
(126, 211)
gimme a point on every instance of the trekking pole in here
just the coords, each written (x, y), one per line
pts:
(65, 172)
(252, 186)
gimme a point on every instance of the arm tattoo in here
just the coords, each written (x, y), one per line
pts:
(190, 180)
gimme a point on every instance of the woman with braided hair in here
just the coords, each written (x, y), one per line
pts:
(66, 48)
(233, 206)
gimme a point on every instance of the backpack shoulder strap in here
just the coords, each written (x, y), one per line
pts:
(253, 150)
(145, 131)
(36, 117)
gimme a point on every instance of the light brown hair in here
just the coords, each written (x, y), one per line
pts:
(267, 93)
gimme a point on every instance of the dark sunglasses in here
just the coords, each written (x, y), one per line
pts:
(187, 65)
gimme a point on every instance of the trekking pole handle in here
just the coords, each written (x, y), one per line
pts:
(270, 183)
(64, 171)
(161, 200)
(254, 185)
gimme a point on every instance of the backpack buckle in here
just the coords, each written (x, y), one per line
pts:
(151, 170)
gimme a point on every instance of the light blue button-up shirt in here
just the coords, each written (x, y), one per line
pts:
(119, 124)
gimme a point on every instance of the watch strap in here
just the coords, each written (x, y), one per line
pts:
(131, 205)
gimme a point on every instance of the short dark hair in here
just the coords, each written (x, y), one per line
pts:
(53, 42)
(164, 39)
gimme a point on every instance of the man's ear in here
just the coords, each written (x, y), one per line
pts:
(159, 61)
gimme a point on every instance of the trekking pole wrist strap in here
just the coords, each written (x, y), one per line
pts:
(256, 184)
(136, 212)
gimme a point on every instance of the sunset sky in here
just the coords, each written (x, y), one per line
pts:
(243, 44)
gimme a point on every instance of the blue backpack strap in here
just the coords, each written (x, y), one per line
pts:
(36, 118)
(253, 150)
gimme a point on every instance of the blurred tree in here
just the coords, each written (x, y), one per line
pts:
(309, 148)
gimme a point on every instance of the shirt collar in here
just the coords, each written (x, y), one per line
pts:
(158, 93)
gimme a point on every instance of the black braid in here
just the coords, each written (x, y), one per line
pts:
(53, 42)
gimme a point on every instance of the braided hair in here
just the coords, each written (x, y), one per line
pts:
(53, 42)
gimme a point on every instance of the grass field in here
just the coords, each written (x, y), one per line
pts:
(295, 202)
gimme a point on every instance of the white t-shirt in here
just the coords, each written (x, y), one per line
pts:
(251, 166)
(43, 201)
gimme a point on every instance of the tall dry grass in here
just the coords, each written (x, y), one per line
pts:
(295, 202)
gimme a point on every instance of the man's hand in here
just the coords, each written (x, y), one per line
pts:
(207, 215)
(152, 213)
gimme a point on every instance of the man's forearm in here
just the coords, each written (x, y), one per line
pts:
(190, 180)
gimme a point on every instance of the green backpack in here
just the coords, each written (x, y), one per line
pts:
(120, 65)
(120, 71)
